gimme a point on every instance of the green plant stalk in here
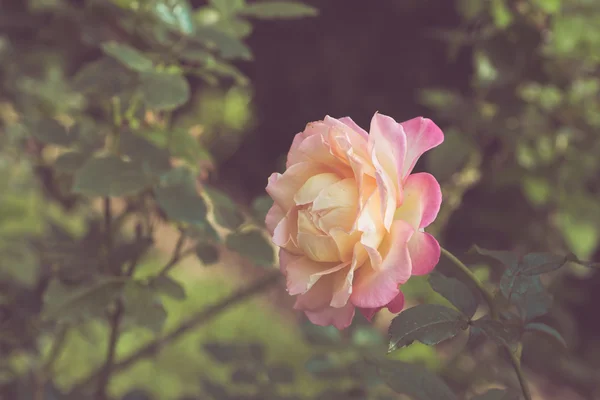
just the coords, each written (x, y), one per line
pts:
(489, 299)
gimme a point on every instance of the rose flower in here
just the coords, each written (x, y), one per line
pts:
(349, 217)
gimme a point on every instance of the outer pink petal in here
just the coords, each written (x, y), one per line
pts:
(388, 194)
(422, 134)
(282, 188)
(341, 318)
(285, 234)
(388, 140)
(395, 306)
(354, 126)
(274, 216)
(376, 288)
(295, 156)
(424, 253)
(427, 190)
(285, 258)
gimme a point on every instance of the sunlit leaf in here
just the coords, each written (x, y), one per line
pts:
(228, 46)
(164, 91)
(169, 287)
(153, 160)
(414, 380)
(501, 14)
(178, 197)
(66, 303)
(127, 55)
(278, 10)
(110, 176)
(176, 13)
(225, 210)
(456, 292)
(143, 307)
(547, 330)
(253, 245)
(428, 323)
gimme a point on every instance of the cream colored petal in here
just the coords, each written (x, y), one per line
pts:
(313, 186)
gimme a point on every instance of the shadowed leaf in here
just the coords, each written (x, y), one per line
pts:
(428, 323)
(278, 10)
(178, 197)
(497, 394)
(164, 91)
(127, 55)
(455, 291)
(207, 253)
(414, 380)
(253, 245)
(547, 330)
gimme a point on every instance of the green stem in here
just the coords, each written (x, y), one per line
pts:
(489, 299)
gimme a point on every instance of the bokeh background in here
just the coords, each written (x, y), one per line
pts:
(515, 86)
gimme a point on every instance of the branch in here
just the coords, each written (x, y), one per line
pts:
(177, 254)
(109, 367)
(198, 319)
(489, 299)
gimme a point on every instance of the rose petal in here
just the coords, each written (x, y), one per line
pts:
(341, 318)
(421, 135)
(375, 288)
(303, 273)
(274, 216)
(388, 194)
(312, 129)
(282, 188)
(286, 232)
(313, 186)
(285, 258)
(422, 200)
(354, 126)
(388, 140)
(394, 306)
(424, 253)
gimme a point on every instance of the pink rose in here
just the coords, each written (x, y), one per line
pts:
(349, 216)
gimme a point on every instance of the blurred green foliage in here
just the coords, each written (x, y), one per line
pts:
(146, 100)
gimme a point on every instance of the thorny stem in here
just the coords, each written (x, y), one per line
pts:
(489, 299)
(194, 321)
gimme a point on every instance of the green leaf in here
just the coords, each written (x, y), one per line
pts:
(154, 161)
(169, 287)
(498, 394)
(176, 13)
(144, 307)
(503, 334)
(428, 323)
(228, 46)
(110, 176)
(178, 197)
(540, 263)
(207, 253)
(105, 77)
(590, 264)
(278, 10)
(51, 132)
(414, 380)
(253, 245)
(501, 14)
(65, 303)
(225, 210)
(534, 302)
(70, 161)
(164, 91)
(261, 206)
(549, 6)
(547, 330)
(127, 252)
(280, 373)
(128, 56)
(227, 353)
(228, 7)
(507, 258)
(456, 292)
(19, 262)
